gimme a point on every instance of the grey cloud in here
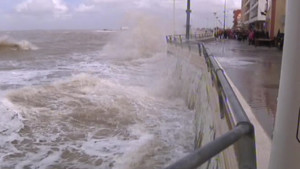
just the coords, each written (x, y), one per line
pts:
(96, 14)
(57, 8)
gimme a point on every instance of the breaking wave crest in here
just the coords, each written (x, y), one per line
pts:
(91, 122)
(7, 42)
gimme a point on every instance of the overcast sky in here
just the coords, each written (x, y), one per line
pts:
(106, 14)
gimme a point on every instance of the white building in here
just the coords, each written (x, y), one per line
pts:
(253, 13)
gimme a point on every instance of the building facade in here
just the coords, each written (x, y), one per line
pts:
(276, 17)
(253, 14)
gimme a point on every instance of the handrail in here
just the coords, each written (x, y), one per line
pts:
(180, 38)
(225, 88)
(242, 134)
(202, 155)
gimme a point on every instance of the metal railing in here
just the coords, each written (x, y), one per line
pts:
(241, 135)
(182, 38)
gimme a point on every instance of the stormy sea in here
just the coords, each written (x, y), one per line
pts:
(91, 99)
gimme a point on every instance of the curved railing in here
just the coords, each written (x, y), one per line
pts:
(242, 131)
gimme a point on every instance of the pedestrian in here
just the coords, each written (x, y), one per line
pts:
(251, 37)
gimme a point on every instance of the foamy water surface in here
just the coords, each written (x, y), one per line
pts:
(90, 99)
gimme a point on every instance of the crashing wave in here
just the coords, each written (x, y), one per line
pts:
(8, 43)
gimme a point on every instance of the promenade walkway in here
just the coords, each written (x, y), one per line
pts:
(255, 71)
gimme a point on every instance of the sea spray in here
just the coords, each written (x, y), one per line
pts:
(143, 39)
(111, 113)
(7, 42)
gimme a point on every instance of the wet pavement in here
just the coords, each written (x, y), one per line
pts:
(255, 71)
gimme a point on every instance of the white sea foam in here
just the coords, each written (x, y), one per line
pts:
(104, 122)
(111, 116)
(10, 125)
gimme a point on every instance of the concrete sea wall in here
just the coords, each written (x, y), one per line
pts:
(200, 95)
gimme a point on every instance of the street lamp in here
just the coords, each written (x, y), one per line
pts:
(188, 17)
(224, 16)
(216, 23)
(174, 22)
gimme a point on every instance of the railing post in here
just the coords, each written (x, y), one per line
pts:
(246, 151)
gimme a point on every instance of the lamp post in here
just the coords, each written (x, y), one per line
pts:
(216, 23)
(188, 18)
(174, 22)
(224, 24)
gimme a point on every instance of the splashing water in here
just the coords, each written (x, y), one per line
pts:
(143, 40)
(8, 43)
(105, 108)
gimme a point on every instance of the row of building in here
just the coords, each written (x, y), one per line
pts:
(261, 15)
